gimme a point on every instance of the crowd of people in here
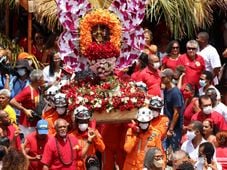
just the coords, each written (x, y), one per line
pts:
(183, 125)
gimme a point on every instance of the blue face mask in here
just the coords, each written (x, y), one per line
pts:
(21, 72)
(202, 83)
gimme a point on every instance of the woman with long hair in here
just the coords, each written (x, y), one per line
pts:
(209, 131)
(53, 70)
(14, 160)
(173, 53)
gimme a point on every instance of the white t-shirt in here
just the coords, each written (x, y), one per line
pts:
(212, 59)
(201, 92)
(47, 77)
(222, 109)
(188, 147)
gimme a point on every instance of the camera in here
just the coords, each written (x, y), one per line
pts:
(35, 116)
(92, 162)
(4, 141)
(6, 68)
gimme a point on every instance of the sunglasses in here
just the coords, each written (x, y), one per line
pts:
(175, 47)
(191, 48)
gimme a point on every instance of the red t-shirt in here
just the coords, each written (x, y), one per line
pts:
(169, 62)
(189, 112)
(152, 80)
(55, 153)
(36, 147)
(218, 119)
(136, 76)
(28, 98)
(194, 68)
(10, 134)
(221, 155)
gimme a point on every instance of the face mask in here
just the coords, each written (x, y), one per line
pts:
(202, 83)
(201, 160)
(61, 110)
(156, 65)
(207, 110)
(174, 81)
(143, 126)
(21, 72)
(159, 163)
(155, 113)
(83, 127)
(190, 135)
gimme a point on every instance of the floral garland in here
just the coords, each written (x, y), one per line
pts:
(100, 51)
(114, 94)
(102, 17)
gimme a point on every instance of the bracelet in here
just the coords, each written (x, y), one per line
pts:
(89, 142)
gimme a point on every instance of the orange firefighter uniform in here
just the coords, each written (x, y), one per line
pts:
(96, 145)
(136, 145)
(52, 116)
(114, 139)
(161, 123)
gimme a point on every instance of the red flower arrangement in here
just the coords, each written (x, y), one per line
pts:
(114, 94)
(99, 51)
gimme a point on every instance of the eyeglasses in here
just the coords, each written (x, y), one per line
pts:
(191, 48)
(175, 47)
(158, 157)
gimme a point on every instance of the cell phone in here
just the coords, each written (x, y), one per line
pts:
(21, 137)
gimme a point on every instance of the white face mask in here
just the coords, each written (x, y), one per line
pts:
(207, 110)
(159, 163)
(174, 81)
(61, 110)
(190, 135)
(156, 65)
(202, 83)
(83, 127)
(201, 160)
(143, 126)
(21, 72)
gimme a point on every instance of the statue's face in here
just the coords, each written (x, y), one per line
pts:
(100, 34)
(103, 67)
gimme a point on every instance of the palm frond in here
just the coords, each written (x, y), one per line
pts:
(183, 17)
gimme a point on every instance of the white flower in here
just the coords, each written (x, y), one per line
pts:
(133, 90)
(98, 103)
(79, 100)
(125, 99)
(134, 100)
(109, 109)
(92, 93)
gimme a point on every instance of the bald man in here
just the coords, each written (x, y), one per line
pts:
(62, 151)
(151, 76)
(209, 54)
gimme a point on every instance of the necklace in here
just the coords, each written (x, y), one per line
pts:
(59, 154)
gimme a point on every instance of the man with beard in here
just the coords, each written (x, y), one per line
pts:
(8, 132)
(62, 151)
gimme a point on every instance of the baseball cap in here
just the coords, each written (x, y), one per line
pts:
(42, 127)
(167, 73)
